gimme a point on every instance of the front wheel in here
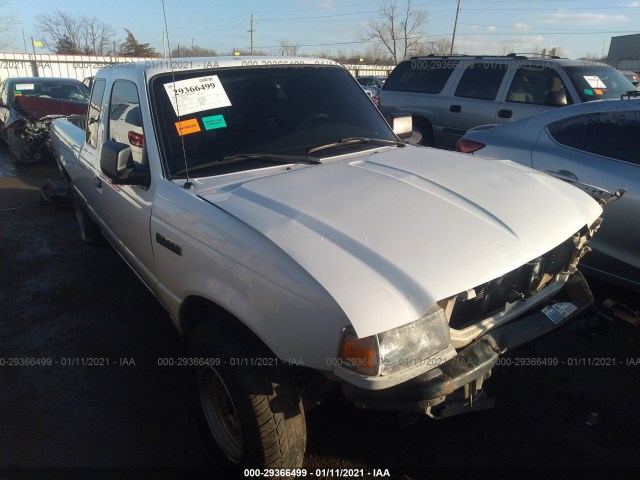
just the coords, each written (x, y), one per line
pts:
(251, 411)
(424, 133)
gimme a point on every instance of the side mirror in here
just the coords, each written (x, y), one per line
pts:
(402, 124)
(116, 162)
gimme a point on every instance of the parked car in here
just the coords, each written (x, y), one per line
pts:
(370, 81)
(632, 77)
(27, 106)
(449, 95)
(597, 144)
(371, 85)
(126, 126)
(300, 246)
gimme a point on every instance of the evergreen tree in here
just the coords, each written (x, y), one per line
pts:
(132, 48)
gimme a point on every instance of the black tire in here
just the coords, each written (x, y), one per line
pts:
(16, 148)
(251, 411)
(89, 231)
(424, 130)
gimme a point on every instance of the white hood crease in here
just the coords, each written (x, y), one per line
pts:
(393, 232)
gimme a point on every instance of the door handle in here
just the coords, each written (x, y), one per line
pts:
(97, 182)
(505, 113)
(565, 175)
(455, 108)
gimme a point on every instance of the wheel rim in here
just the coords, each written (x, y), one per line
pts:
(220, 413)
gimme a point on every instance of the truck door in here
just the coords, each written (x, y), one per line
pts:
(87, 167)
(126, 209)
(473, 102)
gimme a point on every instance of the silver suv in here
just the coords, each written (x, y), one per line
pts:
(449, 95)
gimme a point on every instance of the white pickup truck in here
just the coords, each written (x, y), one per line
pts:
(299, 244)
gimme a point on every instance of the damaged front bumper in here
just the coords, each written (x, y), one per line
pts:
(456, 385)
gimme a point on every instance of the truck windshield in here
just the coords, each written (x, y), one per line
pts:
(220, 113)
(598, 82)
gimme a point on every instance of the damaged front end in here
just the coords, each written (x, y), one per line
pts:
(484, 322)
(31, 138)
(29, 124)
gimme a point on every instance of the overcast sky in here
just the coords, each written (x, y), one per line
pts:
(578, 27)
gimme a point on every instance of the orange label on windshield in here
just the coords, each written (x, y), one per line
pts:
(186, 127)
(598, 91)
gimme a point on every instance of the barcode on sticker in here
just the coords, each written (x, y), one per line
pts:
(565, 309)
(552, 314)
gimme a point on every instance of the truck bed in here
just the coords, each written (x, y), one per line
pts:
(67, 137)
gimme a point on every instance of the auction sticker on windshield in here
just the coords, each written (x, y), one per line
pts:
(594, 81)
(197, 95)
(24, 86)
(186, 127)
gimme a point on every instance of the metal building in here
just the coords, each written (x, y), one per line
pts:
(624, 52)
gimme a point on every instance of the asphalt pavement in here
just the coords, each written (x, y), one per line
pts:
(83, 394)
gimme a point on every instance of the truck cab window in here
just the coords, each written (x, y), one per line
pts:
(95, 106)
(125, 120)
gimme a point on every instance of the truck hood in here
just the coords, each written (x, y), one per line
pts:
(388, 233)
(36, 108)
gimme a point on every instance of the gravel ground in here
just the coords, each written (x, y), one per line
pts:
(61, 300)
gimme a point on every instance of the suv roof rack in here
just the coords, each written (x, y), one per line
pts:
(432, 55)
(630, 94)
(518, 55)
(534, 54)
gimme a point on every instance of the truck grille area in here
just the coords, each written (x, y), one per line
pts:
(492, 297)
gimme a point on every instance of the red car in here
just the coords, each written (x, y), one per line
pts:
(27, 106)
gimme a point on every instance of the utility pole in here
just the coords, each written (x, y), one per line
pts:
(455, 24)
(34, 65)
(251, 32)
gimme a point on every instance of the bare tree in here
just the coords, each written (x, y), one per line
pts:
(97, 36)
(61, 29)
(288, 49)
(436, 46)
(193, 51)
(399, 28)
(376, 54)
(69, 34)
(6, 22)
(506, 50)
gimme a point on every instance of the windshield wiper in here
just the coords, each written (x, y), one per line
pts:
(354, 141)
(262, 157)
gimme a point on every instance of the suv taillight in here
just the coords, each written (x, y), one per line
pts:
(468, 146)
(136, 139)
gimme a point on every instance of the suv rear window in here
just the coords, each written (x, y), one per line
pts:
(598, 82)
(420, 76)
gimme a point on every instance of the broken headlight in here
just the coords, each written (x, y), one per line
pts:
(397, 349)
